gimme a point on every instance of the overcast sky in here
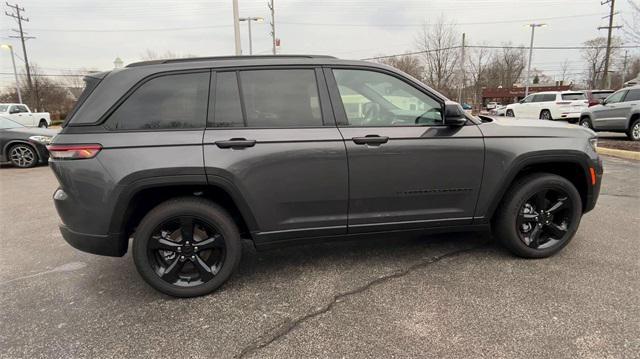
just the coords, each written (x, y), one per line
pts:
(74, 34)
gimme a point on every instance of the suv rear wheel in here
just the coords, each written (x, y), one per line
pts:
(545, 115)
(539, 215)
(187, 247)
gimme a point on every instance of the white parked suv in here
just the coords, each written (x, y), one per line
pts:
(21, 114)
(550, 105)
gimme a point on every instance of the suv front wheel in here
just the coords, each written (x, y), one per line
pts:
(539, 215)
(187, 247)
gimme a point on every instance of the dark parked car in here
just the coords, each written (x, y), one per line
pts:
(190, 156)
(620, 112)
(23, 146)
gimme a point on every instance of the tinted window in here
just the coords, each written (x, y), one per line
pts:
(281, 98)
(171, 101)
(600, 95)
(528, 99)
(226, 103)
(22, 108)
(633, 95)
(375, 99)
(573, 96)
(616, 97)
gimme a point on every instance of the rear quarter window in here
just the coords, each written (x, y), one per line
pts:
(176, 101)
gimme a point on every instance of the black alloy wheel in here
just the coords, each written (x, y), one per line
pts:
(186, 251)
(544, 219)
(187, 247)
(509, 113)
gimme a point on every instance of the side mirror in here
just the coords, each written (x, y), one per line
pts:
(454, 115)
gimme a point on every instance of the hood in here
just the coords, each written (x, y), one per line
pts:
(513, 127)
(33, 131)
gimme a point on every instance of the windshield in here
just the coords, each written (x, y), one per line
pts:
(6, 123)
(4, 108)
(573, 96)
(600, 95)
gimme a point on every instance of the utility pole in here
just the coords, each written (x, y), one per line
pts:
(273, 24)
(19, 18)
(624, 66)
(462, 72)
(15, 71)
(609, 28)
(533, 29)
(236, 28)
(248, 20)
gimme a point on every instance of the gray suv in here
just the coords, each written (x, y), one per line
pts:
(189, 157)
(620, 112)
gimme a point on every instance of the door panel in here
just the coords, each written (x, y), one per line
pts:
(293, 180)
(612, 113)
(421, 177)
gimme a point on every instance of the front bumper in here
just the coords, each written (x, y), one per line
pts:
(105, 245)
(594, 192)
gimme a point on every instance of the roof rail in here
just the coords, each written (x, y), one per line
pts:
(214, 58)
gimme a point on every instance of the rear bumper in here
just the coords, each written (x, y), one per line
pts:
(105, 245)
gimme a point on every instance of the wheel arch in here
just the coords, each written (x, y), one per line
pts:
(572, 165)
(8, 145)
(139, 198)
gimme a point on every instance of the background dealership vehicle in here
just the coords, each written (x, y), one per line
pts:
(23, 147)
(595, 97)
(492, 105)
(620, 112)
(189, 156)
(21, 114)
(550, 105)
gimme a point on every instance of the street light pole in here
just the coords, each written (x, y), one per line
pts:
(236, 28)
(533, 29)
(15, 72)
(248, 20)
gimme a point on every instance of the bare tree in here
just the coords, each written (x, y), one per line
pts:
(594, 56)
(406, 63)
(632, 24)
(153, 55)
(479, 58)
(438, 42)
(47, 93)
(564, 69)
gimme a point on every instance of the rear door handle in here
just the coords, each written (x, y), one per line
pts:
(236, 143)
(370, 139)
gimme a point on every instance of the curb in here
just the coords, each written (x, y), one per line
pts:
(631, 155)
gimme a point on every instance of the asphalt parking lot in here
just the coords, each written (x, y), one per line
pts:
(439, 296)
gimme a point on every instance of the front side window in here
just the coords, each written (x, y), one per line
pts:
(22, 109)
(167, 102)
(633, 95)
(616, 97)
(375, 99)
(528, 99)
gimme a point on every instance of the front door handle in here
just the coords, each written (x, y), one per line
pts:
(236, 143)
(370, 140)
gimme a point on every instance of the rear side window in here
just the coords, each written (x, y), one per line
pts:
(166, 102)
(573, 96)
(632, 95)
(281, 98)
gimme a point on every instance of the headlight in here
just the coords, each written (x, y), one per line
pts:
(45, 140)
(594, 143)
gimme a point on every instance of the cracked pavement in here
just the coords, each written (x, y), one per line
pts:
(450, 295)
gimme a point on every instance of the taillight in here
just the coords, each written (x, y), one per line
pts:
(73, 152)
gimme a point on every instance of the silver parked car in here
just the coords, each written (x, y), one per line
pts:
(620, 112)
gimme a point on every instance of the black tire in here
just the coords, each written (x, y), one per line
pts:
(203, 212)
(509, 227)
(22, 155)
(43, 124)
(546, 115)
(634, 130)
(586, 123)
(509, 113)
